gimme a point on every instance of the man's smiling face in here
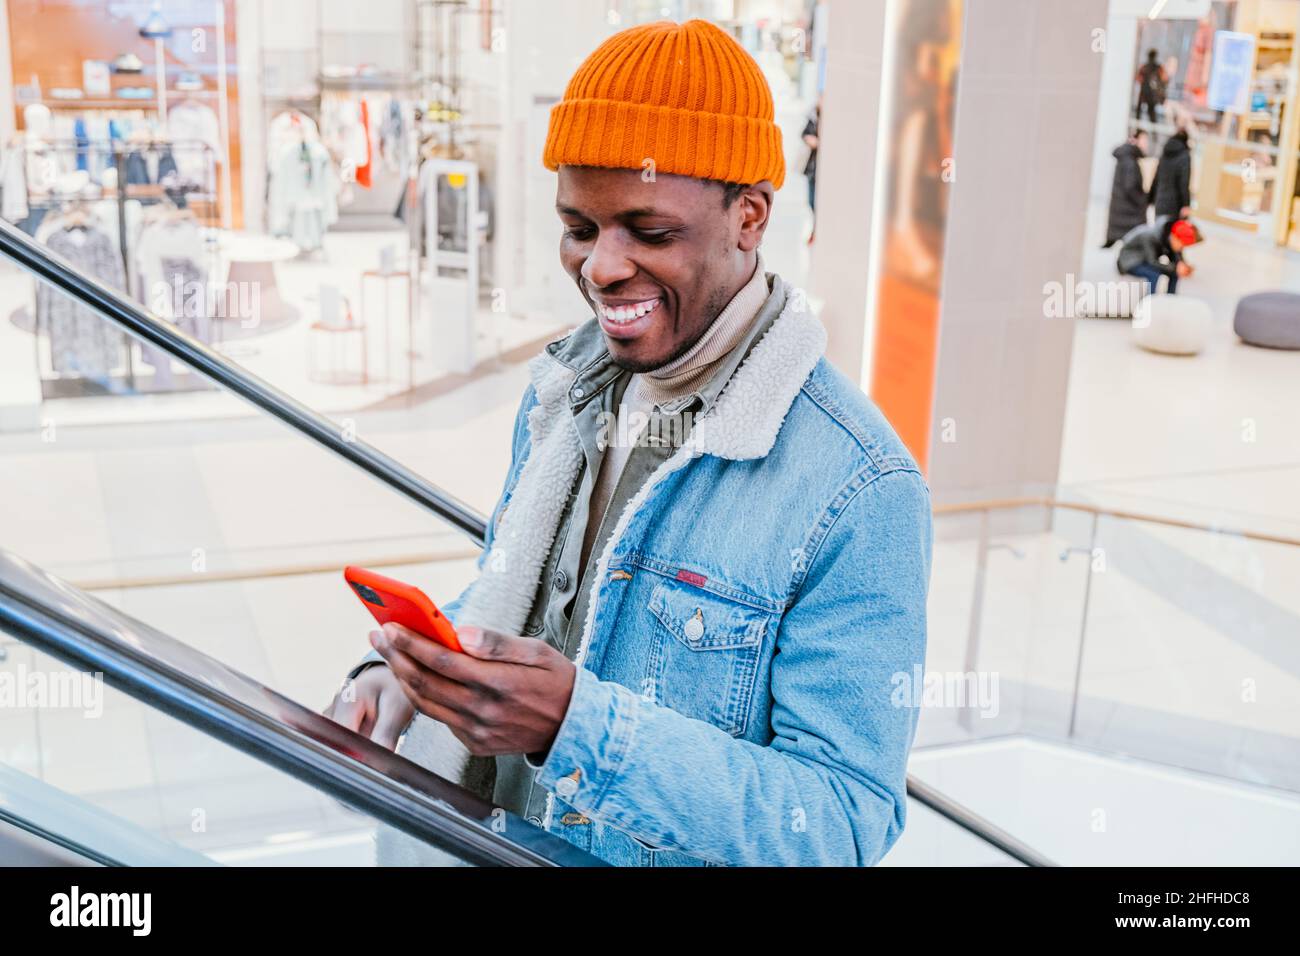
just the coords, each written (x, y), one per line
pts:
(658, 260)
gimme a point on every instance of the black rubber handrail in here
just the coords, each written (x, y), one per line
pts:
(115, 307)
(973, 823)
(174, 678)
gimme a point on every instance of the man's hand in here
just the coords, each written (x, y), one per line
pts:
(1184, 270)
(373, 705)
(504, 695)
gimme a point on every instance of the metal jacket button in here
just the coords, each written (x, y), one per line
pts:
(566, 786)
(694, 628)
(561, 580)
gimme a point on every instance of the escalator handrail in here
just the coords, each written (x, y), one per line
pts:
(115, 307)
(973, 823)
(29, 254)
(169, 676)
(78, 826)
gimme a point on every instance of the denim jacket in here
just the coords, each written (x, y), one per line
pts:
(734, 701)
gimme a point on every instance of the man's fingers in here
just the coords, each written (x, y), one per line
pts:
(350, 714)
(427, 684)
(493, 646)
(430, 654)
(394, 715)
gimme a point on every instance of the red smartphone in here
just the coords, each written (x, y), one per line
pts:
(391, 601)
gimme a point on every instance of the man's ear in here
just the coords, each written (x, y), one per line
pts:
(755, 212)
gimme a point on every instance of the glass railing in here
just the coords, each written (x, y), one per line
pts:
(1143, 655)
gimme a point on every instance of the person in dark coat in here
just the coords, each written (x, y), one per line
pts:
(1171, 192)
(1128, 198)
(811, 136)
(1152, 81)
(1150, 252)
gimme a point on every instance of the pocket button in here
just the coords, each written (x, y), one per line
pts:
(694, 628)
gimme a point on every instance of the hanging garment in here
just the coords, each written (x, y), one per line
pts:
(83, 143)
(137, 169)
(191, 126)
(166, 164)
(343, 132)
(288, 129)
(392, 136)
(302, 197)
(81, 342)
(171, 262)
(13, 180)
(172, 281)
(100, 155)
(363, 170)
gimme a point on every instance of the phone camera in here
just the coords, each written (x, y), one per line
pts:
(367, 594)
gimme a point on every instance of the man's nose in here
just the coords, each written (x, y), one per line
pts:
(607, 264)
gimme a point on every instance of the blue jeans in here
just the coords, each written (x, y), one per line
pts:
(1152, 275)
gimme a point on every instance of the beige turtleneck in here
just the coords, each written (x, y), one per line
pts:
(677, 378)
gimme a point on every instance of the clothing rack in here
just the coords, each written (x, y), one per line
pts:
(44, 199)
(119, 151)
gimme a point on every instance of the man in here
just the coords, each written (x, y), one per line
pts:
(683, 648)
(1128, 198)
(1152, 81)
(1150, 252)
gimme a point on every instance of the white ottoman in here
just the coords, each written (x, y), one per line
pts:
(1171, 324)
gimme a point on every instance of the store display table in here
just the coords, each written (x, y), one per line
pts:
(251, 280)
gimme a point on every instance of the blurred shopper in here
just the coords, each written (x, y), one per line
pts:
(1128, 196)
(1150, 252)
(1152, 83)
(1171, 192)
(675, 641)
(812, 137)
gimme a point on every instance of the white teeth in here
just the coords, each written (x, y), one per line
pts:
(627, 313)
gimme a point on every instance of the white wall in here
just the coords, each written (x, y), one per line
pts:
(1113, 98)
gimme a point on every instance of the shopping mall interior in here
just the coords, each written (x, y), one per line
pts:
(347, 202)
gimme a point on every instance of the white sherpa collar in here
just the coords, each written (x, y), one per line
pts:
(744, 421)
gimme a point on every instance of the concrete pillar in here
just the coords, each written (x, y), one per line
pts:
(846, 178)
(1026, 110)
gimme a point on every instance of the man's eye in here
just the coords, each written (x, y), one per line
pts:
(655, 238)
(580, 233)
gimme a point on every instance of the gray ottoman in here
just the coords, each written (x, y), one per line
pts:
(1269, 319)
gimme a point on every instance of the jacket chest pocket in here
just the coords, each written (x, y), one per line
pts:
(706, 655)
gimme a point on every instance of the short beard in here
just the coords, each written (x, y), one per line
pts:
(713, 308)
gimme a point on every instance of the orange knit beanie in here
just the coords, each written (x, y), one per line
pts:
(683, 96)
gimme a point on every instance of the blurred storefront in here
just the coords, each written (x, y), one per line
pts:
(1230, 71)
